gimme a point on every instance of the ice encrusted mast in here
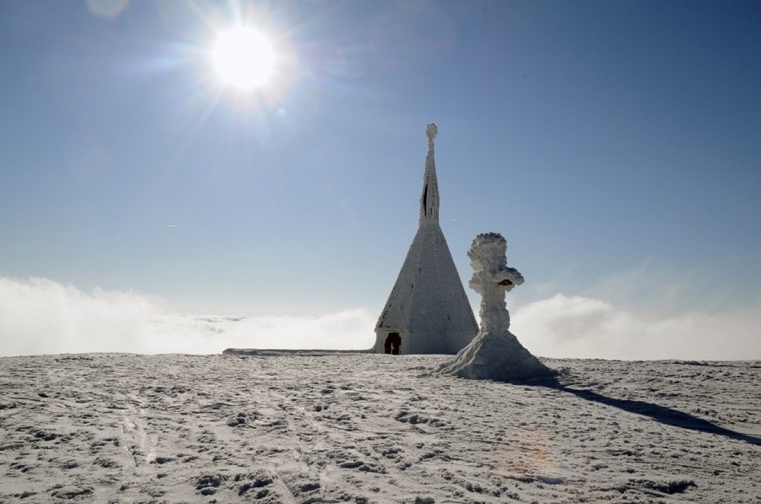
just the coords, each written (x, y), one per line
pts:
(428, 306)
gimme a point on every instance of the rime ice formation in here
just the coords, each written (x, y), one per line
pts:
(428, 306)
(495, 353)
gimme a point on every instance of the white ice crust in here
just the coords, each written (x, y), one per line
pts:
(337, 427)
(495, 353)
(428, 305)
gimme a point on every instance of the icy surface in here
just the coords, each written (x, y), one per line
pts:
(492, 278)
(429, 198)
(495, 353)
(322, 427)
(428, 305)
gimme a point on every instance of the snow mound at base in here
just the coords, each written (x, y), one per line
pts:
(496, 356)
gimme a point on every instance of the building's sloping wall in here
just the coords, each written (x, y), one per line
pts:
(428, 304)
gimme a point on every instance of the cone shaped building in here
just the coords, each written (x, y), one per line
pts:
(428, 306)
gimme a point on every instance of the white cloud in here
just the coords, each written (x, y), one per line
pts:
(580, 327)
(40, 316)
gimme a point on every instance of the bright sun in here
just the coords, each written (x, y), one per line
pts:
(243, 58)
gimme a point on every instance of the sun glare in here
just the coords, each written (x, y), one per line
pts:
(243, 58)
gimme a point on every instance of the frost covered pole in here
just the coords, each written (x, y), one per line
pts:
(495, 353)
(492, 278)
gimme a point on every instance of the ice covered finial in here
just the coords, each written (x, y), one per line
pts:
(429, 200)
(431, 132)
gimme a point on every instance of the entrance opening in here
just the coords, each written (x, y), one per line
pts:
(393, 343)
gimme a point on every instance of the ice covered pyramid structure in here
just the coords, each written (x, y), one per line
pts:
(428, 307)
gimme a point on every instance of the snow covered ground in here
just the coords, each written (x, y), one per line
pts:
(335, 427)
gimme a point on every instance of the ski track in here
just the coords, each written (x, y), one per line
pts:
(325, 427)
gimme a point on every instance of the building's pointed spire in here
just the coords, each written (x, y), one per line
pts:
(429, 200)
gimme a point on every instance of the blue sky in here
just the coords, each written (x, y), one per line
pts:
(614, 144)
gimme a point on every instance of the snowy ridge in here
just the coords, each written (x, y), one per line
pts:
(374, 428)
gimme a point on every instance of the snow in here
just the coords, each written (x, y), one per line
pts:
(495, 353)
(428, 305)
(359, 427)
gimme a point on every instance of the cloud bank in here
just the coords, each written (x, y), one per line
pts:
(40, 316)
(580, 327)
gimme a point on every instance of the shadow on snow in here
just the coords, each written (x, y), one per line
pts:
(662, 414)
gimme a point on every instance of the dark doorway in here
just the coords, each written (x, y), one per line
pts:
(393, 343)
